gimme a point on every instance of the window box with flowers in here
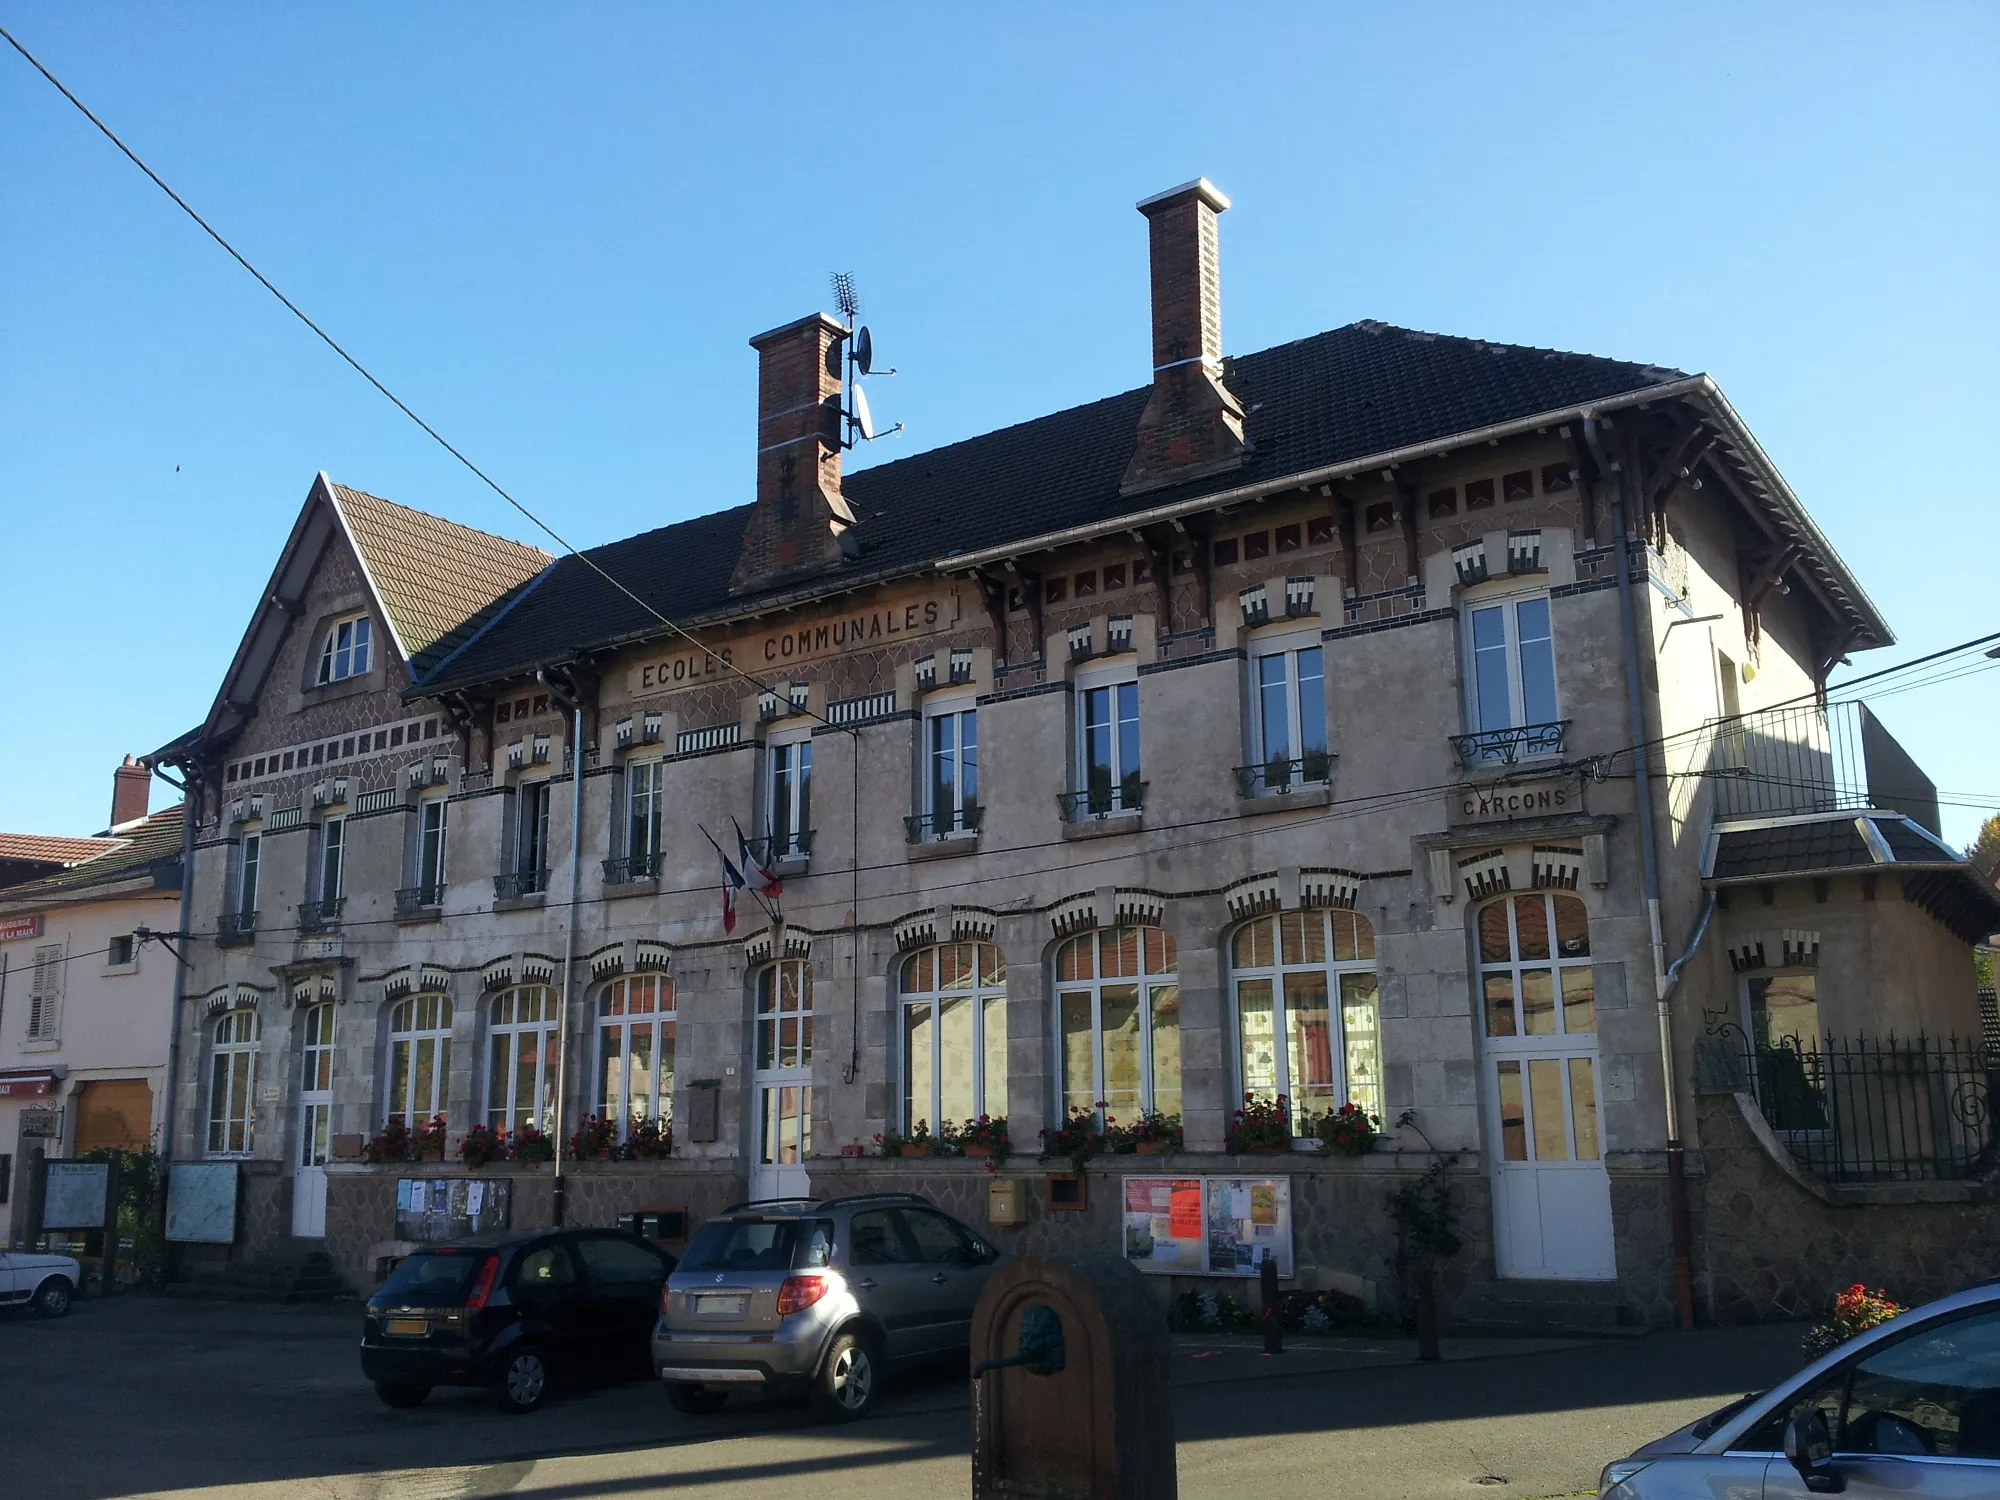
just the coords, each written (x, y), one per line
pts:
(392, 1143)
(1158, 1134)
(1078, 1138)
(1347, 1131)
(596, 1139)
(1262, 1127)
(986, 1137)
(529, 1144)
(482, 1146)
(648, 1140)
(430, 1139)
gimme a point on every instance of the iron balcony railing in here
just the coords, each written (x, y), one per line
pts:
(774, 847)
(320, 916)
(516, 883)
(1102, 800)
(1279, 774)
(950, 822)
(1504, 747)
(1864, 1109)
(631, 867)
(234, 929)
(412, 899)
(1811, 758)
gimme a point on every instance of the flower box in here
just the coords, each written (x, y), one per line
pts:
(1152, 1148)
(909, 1150)
(977, 1150)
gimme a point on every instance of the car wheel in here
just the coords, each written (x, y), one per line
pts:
(522, 1380)
(695, 1400)
(401, 1396)
(848, 1378)
(51, 1298)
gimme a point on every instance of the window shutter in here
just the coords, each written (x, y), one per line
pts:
(45, 991)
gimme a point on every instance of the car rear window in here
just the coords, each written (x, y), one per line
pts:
(433, 1278)
(758, 1245)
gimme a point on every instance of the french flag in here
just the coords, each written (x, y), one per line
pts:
(732, 882)
(769, 886)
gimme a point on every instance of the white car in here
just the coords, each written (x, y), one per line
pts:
(42, 1282)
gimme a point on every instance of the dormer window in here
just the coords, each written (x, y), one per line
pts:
(347, 650)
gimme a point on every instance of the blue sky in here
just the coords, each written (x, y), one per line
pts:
(552, 229)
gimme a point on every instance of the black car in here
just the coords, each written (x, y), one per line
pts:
(514, 1311)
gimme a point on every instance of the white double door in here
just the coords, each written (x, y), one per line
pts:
(783, 1127)
(1551, 1196)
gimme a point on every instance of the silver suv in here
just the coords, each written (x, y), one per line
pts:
(816, 1294)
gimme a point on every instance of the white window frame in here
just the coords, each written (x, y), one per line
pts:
(316, 1032)
(788, 806)
(986, 995)
(348, 651)
(332, 858)
(960, 814)
(249, 868)
(1514, 970)
(234, 1037)
(1340, 1041)
(532, 801)
(615, 1024)
(782, 1076)
(1303, 735)
(1482, 717)
(433, 834)
(645, 785)
(504, 1110)
(418, 1023)
(1149, 983)
(1113, 682)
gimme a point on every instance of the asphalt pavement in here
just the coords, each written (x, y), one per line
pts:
(143, 1396)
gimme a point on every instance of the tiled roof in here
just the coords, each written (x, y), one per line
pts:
(156, 839)
(1790, 849)
(433, 574)
(52, 848)
(1349, 393)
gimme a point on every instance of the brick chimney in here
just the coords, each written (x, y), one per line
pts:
(1192, 425)
(797, 526)
(131, 791)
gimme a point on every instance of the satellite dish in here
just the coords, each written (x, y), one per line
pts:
(864, 350)
(861, 417)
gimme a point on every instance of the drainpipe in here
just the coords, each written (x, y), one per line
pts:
(1649, 860)
(569, 699)
(189, 789)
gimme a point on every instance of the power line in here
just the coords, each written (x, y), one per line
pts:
(366, 374)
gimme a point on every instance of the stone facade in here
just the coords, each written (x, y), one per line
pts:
(1396, 824)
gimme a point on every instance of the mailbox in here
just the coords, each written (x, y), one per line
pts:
(1006, 1201)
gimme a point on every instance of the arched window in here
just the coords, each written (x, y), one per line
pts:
(1308, 1021)
(521, 1059)
(419, 1057)
(347, 650)
(232, 1084)
(635, 1049)
(1118, 1004)
(1534, 966)
(954, 1034)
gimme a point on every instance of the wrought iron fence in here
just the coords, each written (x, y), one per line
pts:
(413, 900)
(920, 828)
(320, 916)
(1868, 1109)
(1789, 760)
(631, 867)
(517, 883)
(235, 928)
(1279, 774)
(1504, 747)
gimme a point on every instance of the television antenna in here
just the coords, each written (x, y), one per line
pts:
(857, 421)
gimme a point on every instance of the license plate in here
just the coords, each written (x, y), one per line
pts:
(409, 1327)
(720, 1307)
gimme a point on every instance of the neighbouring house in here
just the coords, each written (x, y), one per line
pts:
(86, 1002)
(1382, 718)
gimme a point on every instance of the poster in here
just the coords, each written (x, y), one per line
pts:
(1248, 1220)
(1164, 1228)
(74, 1197)
(201, 1202)
(429, 1209)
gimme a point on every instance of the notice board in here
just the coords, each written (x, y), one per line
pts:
(429, 1209)
(1207, 1226)
(201, 1203)
(74, 1197)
